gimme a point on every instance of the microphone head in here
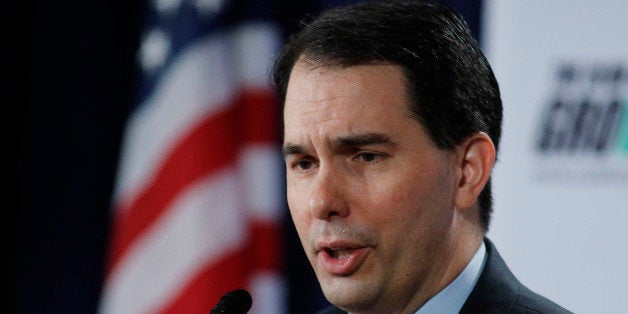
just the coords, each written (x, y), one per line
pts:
(234, 302)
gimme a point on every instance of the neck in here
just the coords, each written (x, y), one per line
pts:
(464, 242)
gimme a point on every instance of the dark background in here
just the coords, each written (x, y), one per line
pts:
(74, 94)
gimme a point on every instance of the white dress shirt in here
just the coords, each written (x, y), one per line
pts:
(452, 298)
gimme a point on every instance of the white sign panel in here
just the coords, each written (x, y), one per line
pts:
(561, 182)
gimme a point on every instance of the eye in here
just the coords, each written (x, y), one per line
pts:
(303, 164)
(370, 157)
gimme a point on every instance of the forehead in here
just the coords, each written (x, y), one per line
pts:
(318, 94)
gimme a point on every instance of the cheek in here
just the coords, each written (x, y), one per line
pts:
(399, 191)
(297, 205)
(294, 192)
(411, 198)
(294, 204)
(392, 208)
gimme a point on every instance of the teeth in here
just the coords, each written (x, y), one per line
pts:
(340, 254)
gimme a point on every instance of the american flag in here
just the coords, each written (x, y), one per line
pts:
(198, 200)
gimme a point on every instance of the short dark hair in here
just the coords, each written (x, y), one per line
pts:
(453, 89)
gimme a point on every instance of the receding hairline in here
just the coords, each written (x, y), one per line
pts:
(402, 73)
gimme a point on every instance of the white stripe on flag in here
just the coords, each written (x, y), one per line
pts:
(256, 44)
(201, 226)
(261, 165)
(198, 83)
(268, 290)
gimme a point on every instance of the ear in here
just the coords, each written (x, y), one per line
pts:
(476, 157)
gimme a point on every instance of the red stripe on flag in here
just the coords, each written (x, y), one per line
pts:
(230, 272)
(210, 146)
(265, 249)
(258, 116)
(206, 288)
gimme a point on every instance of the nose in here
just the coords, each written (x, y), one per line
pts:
(328, 196)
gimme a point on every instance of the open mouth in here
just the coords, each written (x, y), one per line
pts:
(340, 253)
(342, 260)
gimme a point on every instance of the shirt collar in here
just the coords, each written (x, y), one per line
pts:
(452, 298)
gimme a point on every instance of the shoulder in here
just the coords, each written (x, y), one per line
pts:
(499, 291)
(528, 301)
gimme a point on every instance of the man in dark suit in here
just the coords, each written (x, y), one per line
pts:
(392, 119)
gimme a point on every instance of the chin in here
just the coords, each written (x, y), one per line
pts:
(348, 294)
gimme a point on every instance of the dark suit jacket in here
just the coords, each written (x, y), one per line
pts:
(498, 291)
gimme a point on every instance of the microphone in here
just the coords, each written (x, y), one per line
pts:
(233, 302)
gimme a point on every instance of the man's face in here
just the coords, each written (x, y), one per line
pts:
(371, 196)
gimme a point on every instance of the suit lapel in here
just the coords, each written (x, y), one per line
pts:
(496, 289)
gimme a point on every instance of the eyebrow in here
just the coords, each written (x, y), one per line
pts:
(293, 149)
(361, 140)
(343, 142)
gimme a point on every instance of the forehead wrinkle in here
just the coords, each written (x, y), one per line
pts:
(318, 79)
(323, 110)
(316, 98)
(315, 91)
